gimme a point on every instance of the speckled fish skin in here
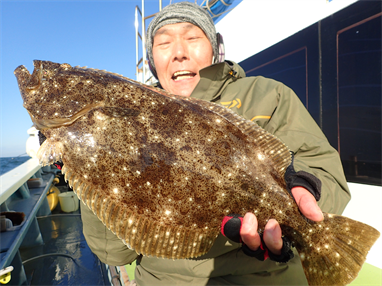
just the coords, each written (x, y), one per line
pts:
(161, 171)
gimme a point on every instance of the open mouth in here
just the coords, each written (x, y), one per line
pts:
(179, 75)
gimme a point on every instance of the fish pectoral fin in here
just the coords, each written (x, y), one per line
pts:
(119, 111)
(49, 152)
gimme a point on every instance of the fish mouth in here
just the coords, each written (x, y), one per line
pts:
(29, 81)
(180, 75)
(29, 84)
(22, 74)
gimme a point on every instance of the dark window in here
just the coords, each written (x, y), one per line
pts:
(359, 99)
(290, 69)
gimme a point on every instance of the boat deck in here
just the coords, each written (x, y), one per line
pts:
(64, 258)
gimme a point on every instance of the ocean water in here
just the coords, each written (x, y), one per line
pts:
(9, 163)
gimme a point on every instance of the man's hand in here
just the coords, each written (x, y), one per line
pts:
(272, 232)
(307, 204)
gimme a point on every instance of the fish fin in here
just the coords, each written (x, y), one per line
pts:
(118, 111)
(85, 68)
(145, 236)
(153, 238)
(335, 254)
(49, 152)
(273, 147)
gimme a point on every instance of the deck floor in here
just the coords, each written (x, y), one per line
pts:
(62, 234)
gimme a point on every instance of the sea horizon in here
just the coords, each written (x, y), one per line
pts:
(9, 163)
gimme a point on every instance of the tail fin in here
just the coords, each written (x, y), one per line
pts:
(335, 253)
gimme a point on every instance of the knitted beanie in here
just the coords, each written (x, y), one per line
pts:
(179, 13)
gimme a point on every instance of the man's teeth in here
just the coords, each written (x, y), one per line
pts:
(182, 75)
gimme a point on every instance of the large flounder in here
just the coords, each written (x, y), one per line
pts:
(161, 171)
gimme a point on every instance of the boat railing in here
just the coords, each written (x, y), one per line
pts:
(26, 201)
(18, 196)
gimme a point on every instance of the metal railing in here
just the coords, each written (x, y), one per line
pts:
(143, 73)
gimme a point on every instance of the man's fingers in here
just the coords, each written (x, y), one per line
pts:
(307, 204)
(248, 231)
(272, 237)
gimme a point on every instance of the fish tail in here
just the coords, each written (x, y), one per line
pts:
(332, 251)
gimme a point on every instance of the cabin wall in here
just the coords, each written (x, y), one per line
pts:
(255, 25)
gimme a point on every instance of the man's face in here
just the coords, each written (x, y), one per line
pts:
(180, 51)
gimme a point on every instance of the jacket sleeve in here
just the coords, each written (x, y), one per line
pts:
(292, 123)
(102, 242)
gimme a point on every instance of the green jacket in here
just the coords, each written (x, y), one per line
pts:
(278, 110)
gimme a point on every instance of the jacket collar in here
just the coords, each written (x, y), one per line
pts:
(215, 78)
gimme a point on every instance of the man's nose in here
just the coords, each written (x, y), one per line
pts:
(180, 51)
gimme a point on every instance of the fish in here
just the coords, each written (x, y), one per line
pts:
(161, 171)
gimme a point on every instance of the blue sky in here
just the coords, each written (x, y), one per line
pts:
(97, 34)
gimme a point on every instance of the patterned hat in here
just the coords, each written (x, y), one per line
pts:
(179, 13)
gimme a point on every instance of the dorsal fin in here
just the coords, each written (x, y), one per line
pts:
(105, 72)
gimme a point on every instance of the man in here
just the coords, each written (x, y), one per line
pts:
(181, 46)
